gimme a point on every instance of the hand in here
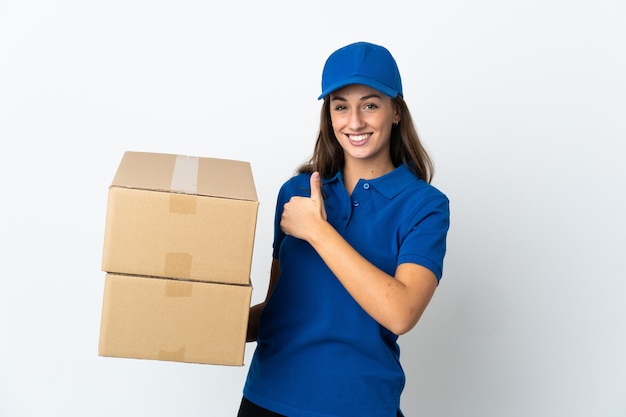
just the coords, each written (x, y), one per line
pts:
(302, 215)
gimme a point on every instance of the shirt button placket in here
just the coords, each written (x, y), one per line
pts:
(356, 203)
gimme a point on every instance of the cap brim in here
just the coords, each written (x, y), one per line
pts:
(360, 80)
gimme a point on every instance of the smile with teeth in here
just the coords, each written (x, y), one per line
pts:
(359, 138)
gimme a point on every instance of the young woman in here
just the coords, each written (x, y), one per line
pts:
(360, 237)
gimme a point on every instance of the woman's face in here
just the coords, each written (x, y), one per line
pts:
(362, 118)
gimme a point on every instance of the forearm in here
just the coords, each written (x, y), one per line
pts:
(254, 322)
(396, 302)
(254, 319)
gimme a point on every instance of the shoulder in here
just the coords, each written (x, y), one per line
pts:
(299, 185)
(428, 192)
(403, 184)
(418, 199)
(428, 200)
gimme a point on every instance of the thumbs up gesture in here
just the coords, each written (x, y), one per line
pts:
(302, 216)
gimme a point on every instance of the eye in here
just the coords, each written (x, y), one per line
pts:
(370, 106)
(340, 107)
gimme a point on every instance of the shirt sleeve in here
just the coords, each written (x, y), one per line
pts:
(425, 240)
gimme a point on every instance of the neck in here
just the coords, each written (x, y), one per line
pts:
(353, 172)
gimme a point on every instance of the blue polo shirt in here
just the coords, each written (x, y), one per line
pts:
(319, 354)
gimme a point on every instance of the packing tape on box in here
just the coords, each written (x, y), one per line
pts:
(185, 175)
(177, 264)
(183, 203)
(177, 289)
(184, 185)
(176, 356)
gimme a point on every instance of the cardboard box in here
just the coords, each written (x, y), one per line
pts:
(173, 320)
(176, 216)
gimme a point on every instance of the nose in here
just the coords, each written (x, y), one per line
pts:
(356, 121)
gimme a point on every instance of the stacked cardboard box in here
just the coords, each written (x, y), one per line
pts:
(177, 254)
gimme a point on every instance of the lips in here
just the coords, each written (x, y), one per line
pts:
(358, 139)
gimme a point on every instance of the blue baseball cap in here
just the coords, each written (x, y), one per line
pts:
(361, 63)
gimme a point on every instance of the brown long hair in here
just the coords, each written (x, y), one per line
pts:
(405, 146)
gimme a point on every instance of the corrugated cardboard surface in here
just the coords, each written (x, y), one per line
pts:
(178, 247)
(171, 320)
(206, 236)
(179, 236)
(215, 177)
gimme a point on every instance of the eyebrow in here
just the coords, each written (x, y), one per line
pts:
(367, 97)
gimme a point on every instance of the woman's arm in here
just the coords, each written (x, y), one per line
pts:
(396, 302)
(256, 310)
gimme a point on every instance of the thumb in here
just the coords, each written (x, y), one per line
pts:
(316, 187)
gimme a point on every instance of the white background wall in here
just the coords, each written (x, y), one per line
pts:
(521, 103)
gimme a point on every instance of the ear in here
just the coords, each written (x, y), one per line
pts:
(396, 116)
